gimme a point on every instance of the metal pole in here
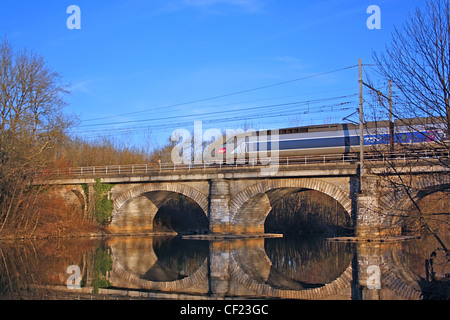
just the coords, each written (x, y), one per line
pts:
(361, 125)
(391, 123)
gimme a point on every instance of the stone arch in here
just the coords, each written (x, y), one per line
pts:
(427, 185)
(135, 208)
(250, 207)
(397, 202)
(76, 197)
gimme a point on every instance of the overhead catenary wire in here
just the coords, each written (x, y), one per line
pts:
(308, 107)
(302, 110)
(307, 102)
(273, 125)
(220, 96)
(227, 120)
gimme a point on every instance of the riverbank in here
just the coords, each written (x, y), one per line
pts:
(141, 234)
(104, 234)
(90, 235)
(374, 240)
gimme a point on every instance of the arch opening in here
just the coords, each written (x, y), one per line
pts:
(75, 202)
(430, 210)
(182, 215)
(298, 212)
(250, 207)
(136, 212)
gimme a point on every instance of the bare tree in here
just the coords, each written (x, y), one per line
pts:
(32, 123)
(417, 63)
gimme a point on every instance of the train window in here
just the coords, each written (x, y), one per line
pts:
(264, 133)
(293, 130)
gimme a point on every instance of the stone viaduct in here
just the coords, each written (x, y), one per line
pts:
(237, 199)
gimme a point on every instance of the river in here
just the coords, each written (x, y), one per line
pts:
(171, 267)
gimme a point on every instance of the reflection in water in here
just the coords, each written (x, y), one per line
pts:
(28, 265)
(430, 263)
(177, 258)
(158, 259)
(102, 266)
(302, 268)
(301, 263)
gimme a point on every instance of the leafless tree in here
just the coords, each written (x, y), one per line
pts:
(32, 123)
(417, 63)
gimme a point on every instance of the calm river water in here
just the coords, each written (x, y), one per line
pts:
(175, 268)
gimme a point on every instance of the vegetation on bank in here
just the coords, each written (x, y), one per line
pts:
(103, 204)
(35, 137)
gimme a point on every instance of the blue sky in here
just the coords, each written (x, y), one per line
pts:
(227, 63)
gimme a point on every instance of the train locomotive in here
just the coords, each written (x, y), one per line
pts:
(329, 139)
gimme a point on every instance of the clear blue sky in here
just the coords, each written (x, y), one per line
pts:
(136, 61)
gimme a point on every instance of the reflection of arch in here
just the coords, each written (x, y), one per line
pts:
(397, 275)
(133, 257)
(250, 207)
(189, 283)
(247, 270)
(135, 208)
(197, 277)
(262, 289)
(246, 273)
(135, 254)
(393, 277)
(405, 289)
(253, 269)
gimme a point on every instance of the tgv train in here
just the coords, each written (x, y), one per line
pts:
(327, 139)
